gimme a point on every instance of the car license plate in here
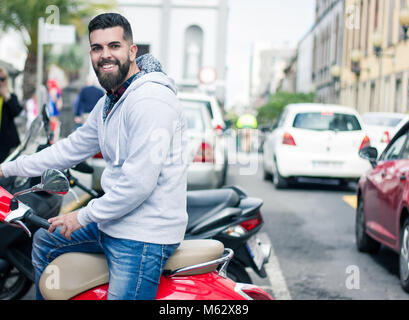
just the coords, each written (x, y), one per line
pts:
(255, 251)
(327, 164)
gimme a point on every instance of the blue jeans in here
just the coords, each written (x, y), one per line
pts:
(134, 267)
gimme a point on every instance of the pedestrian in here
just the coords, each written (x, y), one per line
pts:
(54, 105)
(139, 127)
(9, 109)
(31, 108)
(87, 99)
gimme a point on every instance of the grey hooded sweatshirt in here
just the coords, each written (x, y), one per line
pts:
(142, 141)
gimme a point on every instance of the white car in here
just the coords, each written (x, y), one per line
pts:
(382, 126)
(217, 122)
(204, 151)
(315, 140)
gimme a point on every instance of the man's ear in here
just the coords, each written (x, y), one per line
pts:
(133, 51)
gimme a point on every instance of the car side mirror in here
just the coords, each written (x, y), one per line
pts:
(369, 153)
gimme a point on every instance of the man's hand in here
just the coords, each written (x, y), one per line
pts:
(68, 222)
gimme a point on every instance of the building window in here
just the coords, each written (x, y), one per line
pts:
(391, 22)
(398, 93)
(193, 52)
(372, 97)
(401, 33)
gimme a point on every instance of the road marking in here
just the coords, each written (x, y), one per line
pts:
(274, 274)
(351, 200)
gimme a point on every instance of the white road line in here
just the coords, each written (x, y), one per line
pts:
(275, 276)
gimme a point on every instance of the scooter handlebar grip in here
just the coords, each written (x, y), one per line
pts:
(38, 221)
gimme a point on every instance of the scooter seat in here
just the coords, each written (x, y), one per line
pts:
(73, 273)
(204, 203)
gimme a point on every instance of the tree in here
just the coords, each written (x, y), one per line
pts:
(23, 15)
(271, 110)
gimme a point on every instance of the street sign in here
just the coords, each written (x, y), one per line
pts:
(207, 75)
(58, 34)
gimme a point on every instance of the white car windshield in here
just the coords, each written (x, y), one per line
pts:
(322, 121)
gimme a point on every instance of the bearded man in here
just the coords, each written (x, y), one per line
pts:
(138, 126)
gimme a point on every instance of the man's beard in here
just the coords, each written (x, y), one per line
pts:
(110, 81)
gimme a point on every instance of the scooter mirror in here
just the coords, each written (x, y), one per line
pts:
(54, 181)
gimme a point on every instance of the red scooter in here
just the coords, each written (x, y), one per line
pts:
(196, 270)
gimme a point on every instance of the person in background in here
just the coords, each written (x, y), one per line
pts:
(9, 109)
(54, 106)
(87, 99)
(31, 109)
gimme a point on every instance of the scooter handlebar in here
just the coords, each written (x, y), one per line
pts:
(36, 220)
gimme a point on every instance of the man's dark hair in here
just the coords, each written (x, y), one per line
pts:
(110, 20)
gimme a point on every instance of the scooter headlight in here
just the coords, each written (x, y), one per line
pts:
(235, 231)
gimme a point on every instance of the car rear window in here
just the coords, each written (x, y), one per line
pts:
(381, 121)
(194, 117)
(321, 121)
(205, 103)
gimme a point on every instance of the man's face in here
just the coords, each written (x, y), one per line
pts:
(111, 56)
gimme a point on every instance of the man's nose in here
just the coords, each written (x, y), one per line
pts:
(106, 52)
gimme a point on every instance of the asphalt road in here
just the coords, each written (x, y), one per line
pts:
(311, 228)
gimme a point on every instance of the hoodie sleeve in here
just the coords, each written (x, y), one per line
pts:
(150, 126)
(65, 153)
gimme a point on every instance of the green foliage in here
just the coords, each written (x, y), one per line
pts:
(23, 15)
(70, 59)
(271, 110)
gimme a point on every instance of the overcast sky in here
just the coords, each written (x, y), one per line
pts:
(278, 21)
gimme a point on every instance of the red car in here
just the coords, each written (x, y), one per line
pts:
(382, 215)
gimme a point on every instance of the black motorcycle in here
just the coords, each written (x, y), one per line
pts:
(16, 270)
(230, 216)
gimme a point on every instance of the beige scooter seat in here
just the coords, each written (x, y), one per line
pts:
(73, 273)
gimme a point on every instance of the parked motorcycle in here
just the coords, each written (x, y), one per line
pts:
(227, 215)
(230, 216)
(190, 273)
(16, 271)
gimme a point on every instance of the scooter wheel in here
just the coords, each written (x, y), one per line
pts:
(13, 285)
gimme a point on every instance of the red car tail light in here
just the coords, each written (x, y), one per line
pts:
(366, 142)
(252, 223)
(288, 139)
(385, 137)
(204, 153)
(98, 156)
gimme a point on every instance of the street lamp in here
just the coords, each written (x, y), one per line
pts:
(404, 21)
(335, 72)
(377, 42)
(356, 57)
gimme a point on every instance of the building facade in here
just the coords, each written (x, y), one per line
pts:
(375, 64)
(327, 48)
(187, 36)
(268, 64)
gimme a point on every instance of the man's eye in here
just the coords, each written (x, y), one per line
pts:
(95, 49)
(115, 46)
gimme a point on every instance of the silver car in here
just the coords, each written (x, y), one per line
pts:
(205, 153)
